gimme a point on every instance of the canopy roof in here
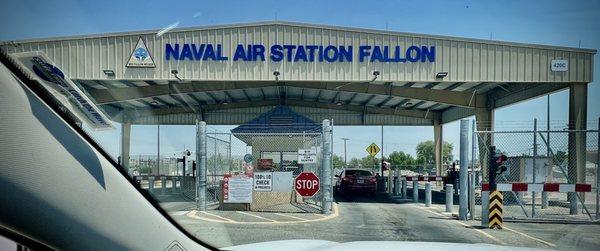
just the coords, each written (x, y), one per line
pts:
(480, 74)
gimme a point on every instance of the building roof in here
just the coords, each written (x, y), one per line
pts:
(279, 120)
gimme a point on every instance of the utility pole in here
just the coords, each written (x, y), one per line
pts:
(345, 159)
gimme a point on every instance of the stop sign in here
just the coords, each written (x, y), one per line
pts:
(307, 184)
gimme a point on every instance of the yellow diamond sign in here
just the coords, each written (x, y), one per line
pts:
(373, 149)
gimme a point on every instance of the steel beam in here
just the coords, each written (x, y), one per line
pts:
(291, 102)
(105, 96)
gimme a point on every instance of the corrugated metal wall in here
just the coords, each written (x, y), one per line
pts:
(464, 60)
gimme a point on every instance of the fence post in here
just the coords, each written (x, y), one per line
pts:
(415, 191)
(326, 170)
(473, 174)
(598, 169)
(533, 168)
(449, 197)
(404, 185)
(464, 169)
(163, 184)
(201, 169)
(427, 194)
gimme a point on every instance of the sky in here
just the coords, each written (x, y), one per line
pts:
(562, 23)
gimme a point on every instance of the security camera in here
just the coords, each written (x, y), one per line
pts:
(276, 74)
(175, 72)
(375, 74)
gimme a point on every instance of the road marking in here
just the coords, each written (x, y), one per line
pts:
(469, 226)
(482, 232)
(218, 216)
(291, 216)
(260, 217)
(178, 213)
(530, 237)
(192, 214)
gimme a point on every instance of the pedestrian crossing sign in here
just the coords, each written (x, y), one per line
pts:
(373, 149)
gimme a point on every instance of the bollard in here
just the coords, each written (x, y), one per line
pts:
(427, 194)
(449, 197)
(415, 191)
(544, 200)
(471, 195)
(163, 184)
(397, 183)
(404, 185)
(151, 184)
(389, 182)
(173, 184)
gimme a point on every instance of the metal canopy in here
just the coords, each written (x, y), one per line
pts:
(481, 74)
(408, 103)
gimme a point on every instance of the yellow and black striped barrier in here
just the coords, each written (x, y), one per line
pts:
(495, 215)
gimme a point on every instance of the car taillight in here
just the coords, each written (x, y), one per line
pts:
(345, 179)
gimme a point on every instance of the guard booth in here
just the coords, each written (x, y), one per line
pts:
(277, 142)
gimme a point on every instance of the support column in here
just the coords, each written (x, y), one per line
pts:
(484, 118)
(577, 140)
(125, 145)
(485, 122)
(438, 142)
(201, 169)
(464, 169)
(326, 169)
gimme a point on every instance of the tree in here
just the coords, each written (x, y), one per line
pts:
(354, 163)
(400, 158)
(560, 156)
(337, 161)
(370, 162)
(426, 152)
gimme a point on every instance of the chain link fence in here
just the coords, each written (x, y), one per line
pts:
(542, 157)
(263, 149)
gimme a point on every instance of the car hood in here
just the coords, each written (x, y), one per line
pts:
(301, 245)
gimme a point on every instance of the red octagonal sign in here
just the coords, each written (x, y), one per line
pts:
(307, 184)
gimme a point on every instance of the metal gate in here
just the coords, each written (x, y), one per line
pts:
(543, 159)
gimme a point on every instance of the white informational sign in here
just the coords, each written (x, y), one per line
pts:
(263, 181)
(237, 189)
(140, 56)
(307, 156)
(559, 65)
(57, 83)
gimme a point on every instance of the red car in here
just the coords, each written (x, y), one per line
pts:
(356, 181)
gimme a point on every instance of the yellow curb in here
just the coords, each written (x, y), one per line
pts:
(193, 214)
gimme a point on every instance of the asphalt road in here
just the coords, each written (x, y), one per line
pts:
(381, 219)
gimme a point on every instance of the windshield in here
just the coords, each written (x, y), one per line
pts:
(475, 121)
